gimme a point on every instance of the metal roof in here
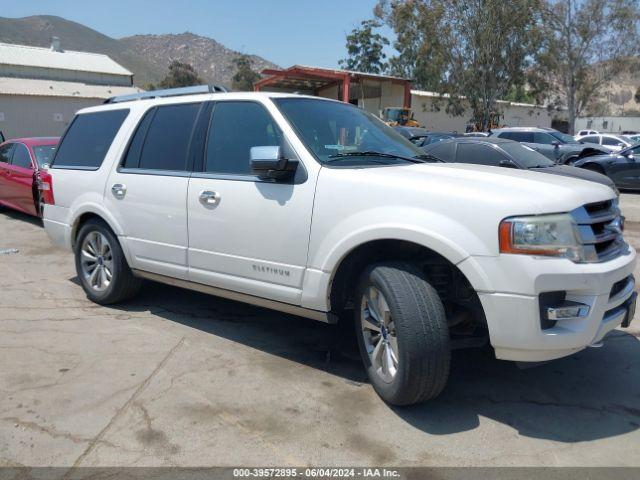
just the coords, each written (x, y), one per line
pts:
(53, 88)
(26, 56)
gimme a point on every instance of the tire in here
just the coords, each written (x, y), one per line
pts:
(122, 284)
(416, 316)
(570, 160)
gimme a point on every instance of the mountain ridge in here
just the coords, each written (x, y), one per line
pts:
(147, 55)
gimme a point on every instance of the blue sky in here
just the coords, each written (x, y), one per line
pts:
(283, 31)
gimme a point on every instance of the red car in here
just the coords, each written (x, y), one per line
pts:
(20, 160)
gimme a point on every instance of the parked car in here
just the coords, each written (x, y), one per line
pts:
(421, 136)
(582, 133)
(317, 208)
(476, 134)
(608, 141)
(20, 161)
(499, 152)
(622, 167)
(635, 137)
(557, 146)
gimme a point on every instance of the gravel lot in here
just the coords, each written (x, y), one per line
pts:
(183, 379)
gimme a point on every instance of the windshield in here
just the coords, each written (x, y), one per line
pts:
(563, 137)
(335, 131)
(44, 153)
(526, 157)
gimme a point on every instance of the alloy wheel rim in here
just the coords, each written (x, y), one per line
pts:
(379, 334)
(96, 259)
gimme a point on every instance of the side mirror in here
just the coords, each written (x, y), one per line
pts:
(555, 143)
(507, 164)
(268, 163)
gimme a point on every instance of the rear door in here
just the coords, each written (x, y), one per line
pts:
(20, 179)
(148, 190)
(254, 238)
(5, 159)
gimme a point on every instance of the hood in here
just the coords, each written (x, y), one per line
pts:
(506, 191)
(575, 172)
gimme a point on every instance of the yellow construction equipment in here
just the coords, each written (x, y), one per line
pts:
(394, 116)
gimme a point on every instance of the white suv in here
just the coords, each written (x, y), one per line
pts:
(317, 208)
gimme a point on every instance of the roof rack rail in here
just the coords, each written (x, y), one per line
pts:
(168, 92)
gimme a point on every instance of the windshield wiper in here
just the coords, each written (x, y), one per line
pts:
(372, 153)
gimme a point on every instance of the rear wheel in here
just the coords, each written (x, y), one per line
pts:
(101, 266)
(402, 333)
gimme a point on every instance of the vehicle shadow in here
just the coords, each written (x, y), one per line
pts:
(591, 395)
(23, 217)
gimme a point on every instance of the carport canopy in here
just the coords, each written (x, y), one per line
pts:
(301, 78)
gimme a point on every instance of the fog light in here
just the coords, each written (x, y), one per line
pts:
(568, 310)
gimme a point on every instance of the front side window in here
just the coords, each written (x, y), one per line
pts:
(88, 139)
(235, 128)
(21, 157)
(525, 156)
(445, 151)
(339, 133)
(479, 154)
(543, 138)
(612, 141)
(563, 137)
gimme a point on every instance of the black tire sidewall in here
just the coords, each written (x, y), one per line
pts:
(119, 262)
(395, 391)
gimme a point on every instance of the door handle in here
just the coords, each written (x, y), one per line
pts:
(209, 198)
(119, 190)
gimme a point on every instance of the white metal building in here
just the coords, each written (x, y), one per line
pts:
(434, 117)
(42, 88)
(609, 124)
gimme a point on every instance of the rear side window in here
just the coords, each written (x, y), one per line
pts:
(21, 157)
(5, 153)
(590, 140)
(518, 136)
(162, 139)
(88, 139)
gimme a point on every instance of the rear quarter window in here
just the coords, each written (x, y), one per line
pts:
(88, 139)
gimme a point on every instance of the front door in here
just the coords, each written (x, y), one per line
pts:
(148, 191)
(253, 237)
(21, 179)
(5, 169)
(625, 170)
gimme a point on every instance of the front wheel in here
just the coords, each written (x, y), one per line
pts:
(101, 266)
(402, 333)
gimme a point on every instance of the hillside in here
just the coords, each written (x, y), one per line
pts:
(148, 56)
(212, 60)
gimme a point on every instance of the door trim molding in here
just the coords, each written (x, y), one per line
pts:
(326, 317)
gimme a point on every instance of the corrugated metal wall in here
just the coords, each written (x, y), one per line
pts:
(33, 116)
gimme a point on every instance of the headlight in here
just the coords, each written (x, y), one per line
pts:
(548, 235)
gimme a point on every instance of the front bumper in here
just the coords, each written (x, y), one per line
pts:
(512, 307)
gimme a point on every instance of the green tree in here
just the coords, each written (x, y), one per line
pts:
(586, 43)
(365, 49)
(180, 75)
(473, 52)
(245, 76)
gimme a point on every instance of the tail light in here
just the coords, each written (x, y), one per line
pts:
(45, 186)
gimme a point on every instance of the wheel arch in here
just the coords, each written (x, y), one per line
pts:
(345, 274)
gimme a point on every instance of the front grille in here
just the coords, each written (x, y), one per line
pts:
(600, 230)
